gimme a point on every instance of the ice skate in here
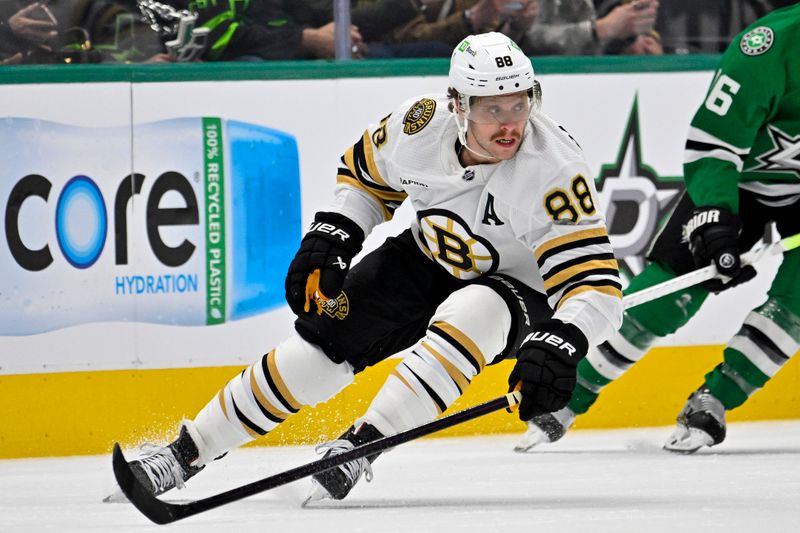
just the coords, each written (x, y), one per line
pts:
(161, 468)
(545, 428)
(701, 422)
(336, 483)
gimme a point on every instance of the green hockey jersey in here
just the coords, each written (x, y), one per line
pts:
(747, 132)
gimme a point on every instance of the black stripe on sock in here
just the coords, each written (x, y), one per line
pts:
(765, 343)
(430, 391)
(246, 421)
(448, 373)
(273, 387)
(455, 344)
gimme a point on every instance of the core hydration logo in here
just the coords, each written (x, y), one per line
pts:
(155, 245)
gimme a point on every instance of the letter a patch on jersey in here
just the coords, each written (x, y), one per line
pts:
(489, 215)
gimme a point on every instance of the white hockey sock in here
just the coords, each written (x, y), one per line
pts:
(441, 366)
(263, 395)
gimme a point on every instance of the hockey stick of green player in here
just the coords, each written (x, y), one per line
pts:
(162, 512)
(759, 251)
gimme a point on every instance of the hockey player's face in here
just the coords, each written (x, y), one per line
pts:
(496, 123)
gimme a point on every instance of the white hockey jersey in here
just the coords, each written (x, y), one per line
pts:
(533, 217)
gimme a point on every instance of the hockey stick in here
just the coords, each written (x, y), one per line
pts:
(756, 253)
(162, 512)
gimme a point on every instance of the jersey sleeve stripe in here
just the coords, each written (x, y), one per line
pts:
(607, 273)
(572, 240)
(697, 135)
(605, 266)
(564, 265)
(369, 156)
(388, 207)
(364, 168)
(610, 288)
(697, 151)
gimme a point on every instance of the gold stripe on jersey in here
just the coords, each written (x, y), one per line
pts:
(582, 269)
(460, 342)
(574, 291)
(277, 415)
(369, 177)
(369, 157)
(461, 381)
(347, 180)
(274, 378)
(572, 239)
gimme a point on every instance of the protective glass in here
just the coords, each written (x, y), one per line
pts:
(500, 109)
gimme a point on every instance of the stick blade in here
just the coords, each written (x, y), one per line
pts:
(156, 510)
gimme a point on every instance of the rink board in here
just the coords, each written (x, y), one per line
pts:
(76, 390)
(84, 413)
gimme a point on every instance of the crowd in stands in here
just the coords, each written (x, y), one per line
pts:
(109, 31)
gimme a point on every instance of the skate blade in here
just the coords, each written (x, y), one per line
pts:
(530, 440)
(116, 497)
(316, 493)
(687, 440)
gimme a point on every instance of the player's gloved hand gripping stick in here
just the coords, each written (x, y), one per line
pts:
(162, 512)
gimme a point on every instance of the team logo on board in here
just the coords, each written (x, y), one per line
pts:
(634, 198)
(418, 116)
(757, 41)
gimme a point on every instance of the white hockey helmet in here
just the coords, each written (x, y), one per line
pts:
(490, 64)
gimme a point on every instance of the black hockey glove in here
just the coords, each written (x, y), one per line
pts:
(323, 260)
(546, 367)
(713, 234)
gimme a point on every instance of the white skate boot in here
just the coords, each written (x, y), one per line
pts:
(701, 422)
(548, 427)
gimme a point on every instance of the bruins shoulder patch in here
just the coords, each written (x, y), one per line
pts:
(418, 116)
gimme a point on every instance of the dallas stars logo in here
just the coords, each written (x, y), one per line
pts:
(757, 41)
(785, 155)
(634, 198)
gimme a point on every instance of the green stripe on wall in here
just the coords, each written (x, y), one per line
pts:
(320, 69)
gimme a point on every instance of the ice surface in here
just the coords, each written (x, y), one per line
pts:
(589, 482)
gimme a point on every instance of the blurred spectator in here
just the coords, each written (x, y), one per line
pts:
(290, 29)
(69, 31)
(375, 21)
(447, 22)
(572, 27)
(28, 33)
(707, 26)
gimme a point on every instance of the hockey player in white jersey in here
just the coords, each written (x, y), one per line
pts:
(508, 256)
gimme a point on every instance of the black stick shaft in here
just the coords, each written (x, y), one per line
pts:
(163, 512)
